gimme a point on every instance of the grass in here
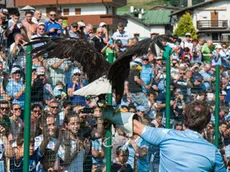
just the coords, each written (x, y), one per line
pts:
(146, 4)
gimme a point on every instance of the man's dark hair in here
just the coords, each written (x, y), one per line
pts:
(35, 106)
(4, 102)
(197, 115)
(67, 103)
(16, 13)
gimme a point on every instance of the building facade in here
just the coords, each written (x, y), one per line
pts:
(88, 11)
(211, 19)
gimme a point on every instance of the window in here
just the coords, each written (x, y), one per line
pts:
(66, 11)
(77, 11)
(215, 36)
(136, 35)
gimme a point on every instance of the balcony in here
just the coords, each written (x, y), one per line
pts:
(212, 24)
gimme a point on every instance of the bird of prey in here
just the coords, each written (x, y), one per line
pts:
(93, 63)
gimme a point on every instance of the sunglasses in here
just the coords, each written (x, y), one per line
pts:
(99, 32)
(4, 108)
(77, 74)
(16, 109)
(145, 59)
(41, 29)
(187, 36)
(36, 111)
(182, 73)
(54, 107)
(53, 15)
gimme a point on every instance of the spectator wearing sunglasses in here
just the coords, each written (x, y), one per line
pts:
(146, 73)
(40, 33)
(73, 30)
(53, 28)
(15, 87)
(76, 84)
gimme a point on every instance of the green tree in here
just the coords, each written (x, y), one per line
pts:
(185, 25)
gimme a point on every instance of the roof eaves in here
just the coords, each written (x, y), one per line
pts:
(192, 7)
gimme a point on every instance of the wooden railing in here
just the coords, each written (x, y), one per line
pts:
(211, 24)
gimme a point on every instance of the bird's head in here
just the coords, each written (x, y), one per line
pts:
(136, 65)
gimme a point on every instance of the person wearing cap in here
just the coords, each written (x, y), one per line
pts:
(134, 84)
(105, 35)
(30, 26)
(81, 28)
(123, 35)
(53, 28)
(217, 56)
(187, 42)
(15, 87)
(76, 84)
(37, 88)
(147, 74)
(40, 33)
(73, 30)
(196, 52)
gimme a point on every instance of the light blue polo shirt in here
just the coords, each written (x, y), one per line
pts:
(184, 150)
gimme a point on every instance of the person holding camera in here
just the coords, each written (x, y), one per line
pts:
(14, 27)
(53, 28)
(17, 52)
(123, 35)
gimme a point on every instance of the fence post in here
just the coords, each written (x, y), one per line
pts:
(27, 109)
(217, 105)
(168, 96)
(108, 150)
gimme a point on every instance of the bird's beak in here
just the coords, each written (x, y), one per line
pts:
(139, 68)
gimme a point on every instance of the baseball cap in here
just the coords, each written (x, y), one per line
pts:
(40, 71)
(102, 24)
(121, 24)
(158, 58)
(188, 34)
(15, 69)
(223, 93)
(218, 46)
(144, 57)
(81, 24)
(76, 70)
(138, 61)
(74, 24)
(41, 24)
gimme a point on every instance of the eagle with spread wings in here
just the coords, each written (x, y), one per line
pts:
(93, 63)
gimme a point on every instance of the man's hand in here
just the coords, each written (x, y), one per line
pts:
(52, 30)
(59, 31)
(147, 87)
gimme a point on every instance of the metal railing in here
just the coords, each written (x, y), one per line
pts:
(212, 24)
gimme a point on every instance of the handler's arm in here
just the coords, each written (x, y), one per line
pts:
(219, 164)
(152, 135)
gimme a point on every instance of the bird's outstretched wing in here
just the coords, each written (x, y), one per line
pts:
(119, 71)
(93, 63)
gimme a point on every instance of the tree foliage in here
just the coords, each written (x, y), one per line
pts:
(185, 25)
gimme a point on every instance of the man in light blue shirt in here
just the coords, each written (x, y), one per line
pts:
(185, 150)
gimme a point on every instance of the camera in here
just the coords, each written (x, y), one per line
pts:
(20, 42)
(87, 110)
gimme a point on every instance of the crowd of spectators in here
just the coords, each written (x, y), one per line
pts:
(67, 130)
